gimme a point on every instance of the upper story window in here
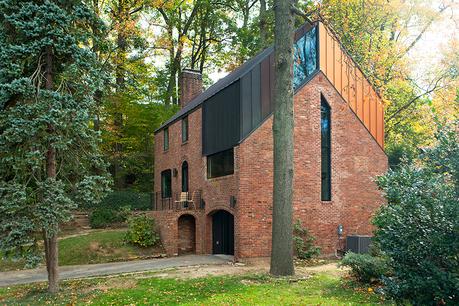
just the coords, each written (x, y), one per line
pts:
(185, 178)
(166, 184)
(185, 129)
(325, 123)
(166, 139)
(220, 164)
(305, 57)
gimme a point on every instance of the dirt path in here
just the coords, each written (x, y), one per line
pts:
(239, 269)
(183, 267)
(116, 268)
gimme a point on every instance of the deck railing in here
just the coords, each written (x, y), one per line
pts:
(176, 201)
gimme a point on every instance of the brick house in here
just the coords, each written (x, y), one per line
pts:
(214, 158)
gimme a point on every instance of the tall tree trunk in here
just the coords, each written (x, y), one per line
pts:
(98, 102)
(176, 60)
(95, 48)
(123, 14)
(52, 264)
(175, 68)
(282, 231)
(263, 25)
(50, 235)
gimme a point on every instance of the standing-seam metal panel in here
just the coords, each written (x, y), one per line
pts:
(221, 120)
(265, 94)
(246, 104)
(256, 103)
(351, 83)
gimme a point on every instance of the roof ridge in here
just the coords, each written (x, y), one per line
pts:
(246, 67)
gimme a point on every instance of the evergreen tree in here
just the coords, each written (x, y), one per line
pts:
(49, 160)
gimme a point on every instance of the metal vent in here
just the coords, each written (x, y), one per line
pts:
(358, 244)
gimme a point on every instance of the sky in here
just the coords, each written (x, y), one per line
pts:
(428, 50)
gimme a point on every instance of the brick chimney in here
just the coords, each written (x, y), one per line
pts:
(190, 86)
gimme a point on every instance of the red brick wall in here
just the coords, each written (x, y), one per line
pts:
(356, 160)
(215, 192)
(168, 227)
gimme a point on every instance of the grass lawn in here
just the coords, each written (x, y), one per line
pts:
(95, 247)
(319, 289)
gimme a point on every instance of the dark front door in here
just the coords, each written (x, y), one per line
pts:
(223, 233)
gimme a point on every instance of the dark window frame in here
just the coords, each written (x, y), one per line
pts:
(185, 129)
(166, 184)
(325, 145)
(166, 139)
(220, 164)
(185, 177)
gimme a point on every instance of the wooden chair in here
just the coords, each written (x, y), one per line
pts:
(184, 200)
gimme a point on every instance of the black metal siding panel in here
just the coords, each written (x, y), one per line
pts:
(256, 105)
(220, 85)
(221, 120)
(246, 104)
(265, 89)
(271, 80)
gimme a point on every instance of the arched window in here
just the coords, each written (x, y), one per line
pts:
(325, 123)
(185, 178)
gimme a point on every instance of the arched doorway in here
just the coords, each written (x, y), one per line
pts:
(222, 233)
(186, 234)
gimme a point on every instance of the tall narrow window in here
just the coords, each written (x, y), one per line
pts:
(166, 139)
(325, 123)
(166, 184)
(185, 129)
(185, 179)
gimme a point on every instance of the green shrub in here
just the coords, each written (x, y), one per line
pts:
(142, 232)
(397, 152)
(364, 267)
(116, 200)
(304, 242)
(135, 200)
(116, 208)
(419, 227)
(104, 217)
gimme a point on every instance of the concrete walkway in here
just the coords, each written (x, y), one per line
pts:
(71, 272)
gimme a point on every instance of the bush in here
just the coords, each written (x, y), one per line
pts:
(104, 217)
(119, 199)
(397, 152)
(364, 267)
(142, 231)
(116, 208)
(419, 227)
(304, 242)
